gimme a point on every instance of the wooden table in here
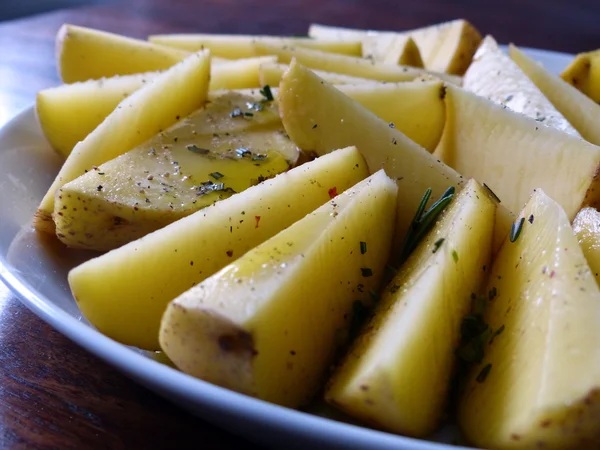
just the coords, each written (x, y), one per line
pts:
(55, 395)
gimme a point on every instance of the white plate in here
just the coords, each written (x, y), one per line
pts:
(37, 275)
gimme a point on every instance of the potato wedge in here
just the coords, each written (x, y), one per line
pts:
(348, 65)
(514, 154)
(158, 105)
(84, 53)
(320, 118)
(271, 73)
(238, 74)
(446, 47)
(581, 111)
(124, 292)
(417, 109)
(236, 46)
(397, 373)
(163, 180)
(586, 227)
(584, 74)
(538, 383)
(267, 325)
(391, 48)
(68, 113)
(493, 75)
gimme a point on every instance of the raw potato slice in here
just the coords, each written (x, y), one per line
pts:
(581, 111)
(391, 48)
(125, 292)
(162, 181)
(417, 109)
(584, 74)
(494, 75)
(84, 53)
(236, 46)
(240, 74)
(446, 47)
(397, 374)
(271, 73)
(348, 65)
(158, 105)
(514, 154)
(539, 382)
(587, 229)
(268, 324)
(320, 118)
(68, 113)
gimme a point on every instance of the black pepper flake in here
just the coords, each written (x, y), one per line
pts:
(366, 272)
(531, 218)
(99, 188)
(248, 114)
(484, 373)
(100, 173)
(437, 244)
(229, 253)
(391, 125)
(266, 93)
(315, 126)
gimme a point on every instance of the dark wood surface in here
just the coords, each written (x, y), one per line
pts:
(54, 394)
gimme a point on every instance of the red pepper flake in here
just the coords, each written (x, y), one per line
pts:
(333, 192)
(257, 218)
(552, 274)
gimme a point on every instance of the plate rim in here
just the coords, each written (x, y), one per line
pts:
(290, 423)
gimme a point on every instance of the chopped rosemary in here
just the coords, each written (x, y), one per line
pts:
(515, 229)
(484, 373)
(455, 255)
(363, 247)
(437, 244)
(424, 220)
(216, 175)
(266, 93)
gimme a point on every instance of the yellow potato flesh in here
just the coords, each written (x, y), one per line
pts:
(397, 374)
(493, 75)
(584, 74)
(68, 113)
(158, 105)
(543, 369)
(239, 74)
(348, 65)
(514, 154)
(271, 73)
(125, 291)
(446, 47)
(391, 48)
(320, 118)
(154, 185)
(586, 226)
(85, 53)
(240, 46)
(268, 324)
(581, 111)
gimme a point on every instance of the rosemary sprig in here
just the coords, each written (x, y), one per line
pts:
(424, 220)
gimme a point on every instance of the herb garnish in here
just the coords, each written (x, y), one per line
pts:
(515, 229)
(363, 247)
(216, 175)
(455, 255)
(366, 272)
(194, 148)
(424, 220)
(266, 93)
